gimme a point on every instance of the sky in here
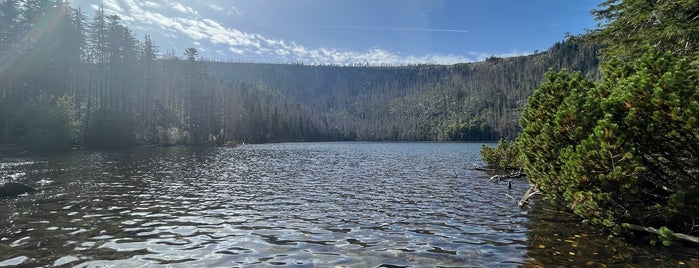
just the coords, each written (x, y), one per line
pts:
(344, 32)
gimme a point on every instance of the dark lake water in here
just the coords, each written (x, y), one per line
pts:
(294, 205)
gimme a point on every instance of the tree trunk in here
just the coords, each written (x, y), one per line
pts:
(652, 230)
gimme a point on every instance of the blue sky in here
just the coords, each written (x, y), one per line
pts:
(352, 31)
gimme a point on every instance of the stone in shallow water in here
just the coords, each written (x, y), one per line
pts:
(12, 190)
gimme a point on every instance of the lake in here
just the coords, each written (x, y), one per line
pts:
(295, 205)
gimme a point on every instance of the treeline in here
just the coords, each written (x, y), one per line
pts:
(67, 80)
(474, 101)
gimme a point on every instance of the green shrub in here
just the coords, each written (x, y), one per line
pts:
(620, 150)
(506, 156)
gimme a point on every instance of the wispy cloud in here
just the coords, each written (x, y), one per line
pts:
(213, 6)
(175, 18)
(112, 6)
(182, 8)
(233, 11)
(151, 4)
(412, 29)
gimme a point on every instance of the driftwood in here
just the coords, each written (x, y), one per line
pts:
(518, 174)
(534, 190)
(531, 192)
(652, 230)
(479, 168)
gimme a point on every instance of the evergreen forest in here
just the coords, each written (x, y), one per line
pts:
(71, 81)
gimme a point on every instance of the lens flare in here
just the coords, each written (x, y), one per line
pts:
(44, 22)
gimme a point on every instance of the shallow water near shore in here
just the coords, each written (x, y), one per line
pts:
(292, 204)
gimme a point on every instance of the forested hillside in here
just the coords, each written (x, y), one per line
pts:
(474, 101)
(67, 80)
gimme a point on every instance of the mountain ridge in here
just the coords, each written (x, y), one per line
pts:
(460, 102)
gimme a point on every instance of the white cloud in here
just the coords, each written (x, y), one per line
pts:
(112, 5)
(184, 9)
(236, 51)
(216, 7)
(150, 4)
(185, 21)
(282, 52)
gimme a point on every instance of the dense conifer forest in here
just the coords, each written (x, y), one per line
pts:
(67, 80)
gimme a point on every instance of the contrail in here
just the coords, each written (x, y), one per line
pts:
(391, 28)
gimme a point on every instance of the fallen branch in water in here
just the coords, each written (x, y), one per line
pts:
(513, 199)
(482, 168)
(531, 192)
(652, 230)
(518, 174)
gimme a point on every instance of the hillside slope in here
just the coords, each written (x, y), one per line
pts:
(472, 101)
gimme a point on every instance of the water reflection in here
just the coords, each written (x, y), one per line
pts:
(319, 204)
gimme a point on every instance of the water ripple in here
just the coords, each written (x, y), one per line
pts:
(337, 204)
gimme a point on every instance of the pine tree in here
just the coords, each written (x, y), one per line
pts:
(629, 28)
(622, 149)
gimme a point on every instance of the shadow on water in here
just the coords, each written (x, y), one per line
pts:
(304, 204)
(559, 239)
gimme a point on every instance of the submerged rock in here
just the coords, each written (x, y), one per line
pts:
(12, 190)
